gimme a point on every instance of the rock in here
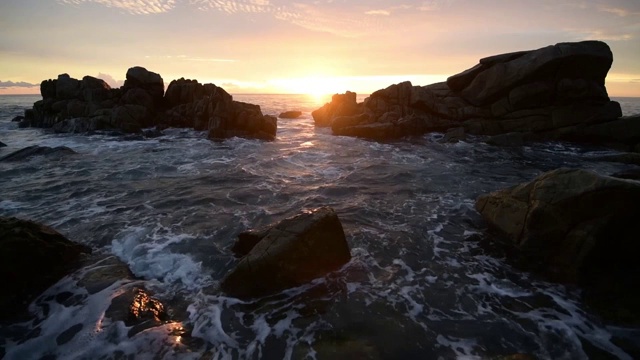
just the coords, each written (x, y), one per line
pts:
(240, 119)
(454, 135)
(508, 139)
(340, 105)
(137, 309)
(2, 144)
(70, 105)
(293, 252)
(17, 118)
(293, 114)
(578, 227)
(152, 83)
(632, 174)
(247, 240)
(67, 88)
(32, 258)
(553, 93)
(35, 150)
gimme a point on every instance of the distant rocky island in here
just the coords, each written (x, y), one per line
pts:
(79, 106)
(554, 93)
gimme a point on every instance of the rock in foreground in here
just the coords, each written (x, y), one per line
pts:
(291, 253)
(556, 92)
(32, 258)
(580, 227)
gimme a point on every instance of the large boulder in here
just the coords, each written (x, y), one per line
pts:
(340, 105)
(32, 258)
(556, 92)
(291, 114)
(576, 226)
(240, 119)
(35, 150)
(141, 78)
(291, 253)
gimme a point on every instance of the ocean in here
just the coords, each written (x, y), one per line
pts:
(419, 286)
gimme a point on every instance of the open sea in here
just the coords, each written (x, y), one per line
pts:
(419, 286)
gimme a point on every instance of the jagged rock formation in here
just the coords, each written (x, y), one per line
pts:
(288, 254)
(576, 226)
(556, 92)
(79, 106)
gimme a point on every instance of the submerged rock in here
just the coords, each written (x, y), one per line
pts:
(35, 150)
(293, 114)
(578, 227)
(556, 92)
(291, 253)
(32, 258)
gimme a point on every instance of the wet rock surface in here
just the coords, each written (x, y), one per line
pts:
(293, 252)
(32, 258)
(31, 151)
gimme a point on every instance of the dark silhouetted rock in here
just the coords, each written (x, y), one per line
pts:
(552, 93)
(340, 105)
(631, 174)
(32, 258)
(577, 226)
(17, 118)
(35, 150)
(627, 158)
(2, 144)
(86, 106)
(293, 252)
(293, 114)
(454, 135)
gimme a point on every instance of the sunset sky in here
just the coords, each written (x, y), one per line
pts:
(300, 46)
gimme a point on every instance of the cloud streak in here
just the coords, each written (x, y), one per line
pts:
(136, 7)
(11, 84)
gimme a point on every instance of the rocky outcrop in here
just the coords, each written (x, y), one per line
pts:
(340, 105)
(74, 106)
(288, 254)
(292, 114)
(578, 227)
(32, 258)
(556, 92)
(31, 151)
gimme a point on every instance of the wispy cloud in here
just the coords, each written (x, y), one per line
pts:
(189, 58)
(139, 7)
(620, 11)
(11, 84)
(378, 12)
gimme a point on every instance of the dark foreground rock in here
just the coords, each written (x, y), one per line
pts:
(577, 226)
(32, 258)
(293, 114)
(31, 151)
(2, 144)
(291, 253)
(83, 106)
(556, 92)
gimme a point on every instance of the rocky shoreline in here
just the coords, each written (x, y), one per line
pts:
(570, 225)
(70, 105)
(554, 93)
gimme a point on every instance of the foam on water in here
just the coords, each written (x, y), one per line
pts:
(417, 286)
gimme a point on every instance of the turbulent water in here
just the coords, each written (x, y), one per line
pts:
(419, 286)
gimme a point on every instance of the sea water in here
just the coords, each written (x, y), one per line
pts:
(419, 285)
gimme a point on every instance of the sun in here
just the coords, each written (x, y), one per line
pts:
(319, 88)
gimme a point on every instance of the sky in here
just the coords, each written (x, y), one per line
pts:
(300, 46)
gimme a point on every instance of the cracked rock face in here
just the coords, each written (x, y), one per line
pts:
(289, 254)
